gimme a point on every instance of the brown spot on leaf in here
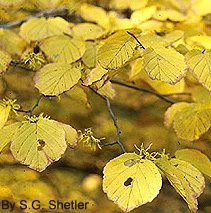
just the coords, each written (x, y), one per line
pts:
(128, 181)
(41, 144)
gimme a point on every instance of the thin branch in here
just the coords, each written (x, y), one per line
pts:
(30, 111)
(131, 34)
(144, 90)
(177, 93)
(118, 132)
(61, 11)
(109, 144)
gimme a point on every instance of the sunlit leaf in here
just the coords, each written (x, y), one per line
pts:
(130, 181)
(185, 178)
(87, 31)
(142, 15)
(192, 121)
(56, 78)
(171, 112)
(94, 75)
(196, 158)
(200, 40)
(40, 28)
(164, 64)
(173, 36)
(38, 142)
(6, 134)
(200, 65)
(201, 8)
(117, 49)
(170, 14)
(107, 90)
(95, 14)
(63, 48)
(5, 60)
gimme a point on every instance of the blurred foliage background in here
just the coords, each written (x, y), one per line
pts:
(78, 175)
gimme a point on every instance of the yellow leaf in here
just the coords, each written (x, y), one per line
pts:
(94, 75)
(5, 107)
(107, 90)
(95, 14)
(201, 7)
(40, 28)
(200, 40)
(117, 49)
(173, 15)
(137, 4)
(5, 60)
(87, 31)
(130, 181)
(201, 95)
(200, 65)
(56, 78)
(164, 64)
(6, 134)
(38, 142)
(185, 178)
(77, 94)
(191, 174)
(89, 57)
(151, 40)
(136, 69)
(173, 36)
(142, 15)
(11, 42)
(63, 48)
(196, 158)
(192, 121)
(171, 112)
(11, 3)
(71, 134)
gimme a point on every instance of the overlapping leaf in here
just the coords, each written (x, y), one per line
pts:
(200, 65)
(117, 49)
(196, 158)
(190, 121)
(39, 141)
(164, 64)
(40, 28)
(185, 178)
(63, 48)
(56, 78)
(5, 60)
(130, 181)
(88, 31)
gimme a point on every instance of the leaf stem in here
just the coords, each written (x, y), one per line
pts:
(131, 34)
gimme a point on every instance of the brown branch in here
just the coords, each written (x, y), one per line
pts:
(61, 11)
(118, 132)
(131, 34)
(163, 97)
(30, 111)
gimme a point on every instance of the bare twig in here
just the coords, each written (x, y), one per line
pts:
(163, 97)
(131, 34)
(61, 11)
(109, 144)
(30, 111)
(118, 132)
(177, 93)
